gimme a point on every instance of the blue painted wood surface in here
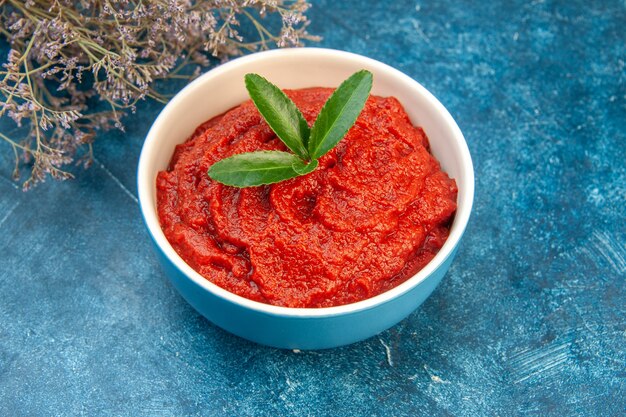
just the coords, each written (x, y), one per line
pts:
(530, 320)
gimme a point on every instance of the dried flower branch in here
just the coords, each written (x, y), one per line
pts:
(66, 55)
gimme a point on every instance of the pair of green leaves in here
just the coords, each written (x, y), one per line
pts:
(307, 144)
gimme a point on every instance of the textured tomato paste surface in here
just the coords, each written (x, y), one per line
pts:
(376, 210)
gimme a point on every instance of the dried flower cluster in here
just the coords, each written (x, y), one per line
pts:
(69, 56)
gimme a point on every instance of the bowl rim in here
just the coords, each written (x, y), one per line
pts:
(146, 185)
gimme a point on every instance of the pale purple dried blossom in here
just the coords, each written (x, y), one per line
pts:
(126, 45)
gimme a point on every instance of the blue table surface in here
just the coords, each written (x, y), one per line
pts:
(530, 320)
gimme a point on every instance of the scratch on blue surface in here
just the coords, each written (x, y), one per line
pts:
(387, 352)
(433, 377)
(418, 29)
(602, 249)
(13, 184)
(116, 180)
(610, 249)
(8, 213)
(540, 362)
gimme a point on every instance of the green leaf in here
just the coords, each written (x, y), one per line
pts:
(259, 168)
(339, 113)
(302, 168)
(268, 167)
(280, 113)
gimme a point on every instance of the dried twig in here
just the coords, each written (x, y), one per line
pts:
(65, 54)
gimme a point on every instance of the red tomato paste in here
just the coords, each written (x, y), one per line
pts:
(375, 211)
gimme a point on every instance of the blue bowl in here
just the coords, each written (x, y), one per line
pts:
(301, 328)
